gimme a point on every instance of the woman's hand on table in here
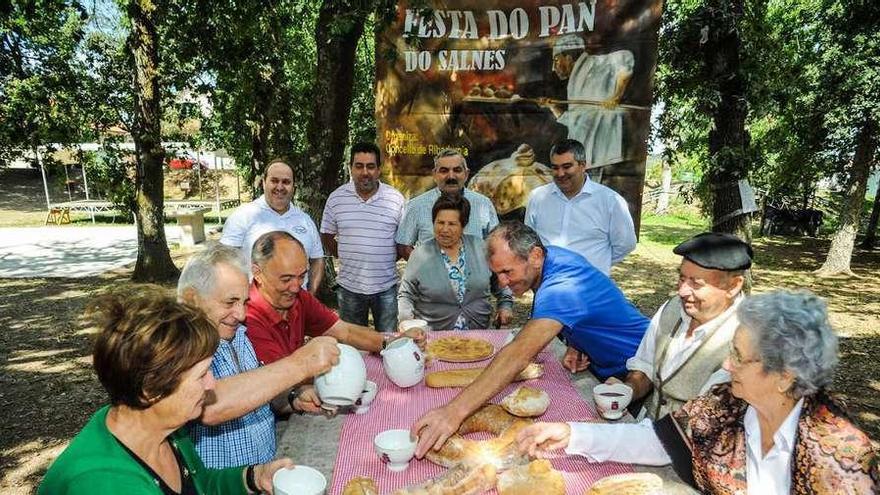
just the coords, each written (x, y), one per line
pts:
(540, 438)
(307, 401)
(575, 360)
(263, 473)
(434, 428)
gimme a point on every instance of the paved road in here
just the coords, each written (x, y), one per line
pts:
(76, 252)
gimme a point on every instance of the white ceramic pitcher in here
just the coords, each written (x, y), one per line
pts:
(403, 362)
(344, 383)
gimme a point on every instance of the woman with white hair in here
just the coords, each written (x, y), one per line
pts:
(773, 430)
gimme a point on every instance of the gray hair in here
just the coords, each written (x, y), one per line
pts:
(572, 146)
(264, 246)
(791, 332)
(519, 237)
(450, 152)
(200, 271)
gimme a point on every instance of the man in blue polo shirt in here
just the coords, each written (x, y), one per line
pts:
(603, 329)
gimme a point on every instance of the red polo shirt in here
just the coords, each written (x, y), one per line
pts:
(274, 337)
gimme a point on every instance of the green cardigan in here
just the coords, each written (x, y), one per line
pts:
(95, 462)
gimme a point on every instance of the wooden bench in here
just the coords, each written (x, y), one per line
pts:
(192, 224)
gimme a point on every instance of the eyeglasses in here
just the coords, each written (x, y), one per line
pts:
(736, 360)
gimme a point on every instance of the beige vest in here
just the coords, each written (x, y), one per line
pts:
(685, 383)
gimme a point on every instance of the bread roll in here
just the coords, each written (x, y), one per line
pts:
(360, 486)
(464, 377)
(526, 402)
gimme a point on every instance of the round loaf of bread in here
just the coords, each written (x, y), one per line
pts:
(526, 402)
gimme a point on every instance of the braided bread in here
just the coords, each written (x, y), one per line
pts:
(500, 451)
(460, 480)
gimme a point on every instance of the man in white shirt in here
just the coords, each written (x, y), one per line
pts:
(682, 352)
(578, 214)
(275, 211)
(358, 227)
(450, 174)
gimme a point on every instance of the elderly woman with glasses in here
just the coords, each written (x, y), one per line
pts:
(772, 430)
(153, 356)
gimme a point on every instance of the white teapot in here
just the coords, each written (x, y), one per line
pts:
(403, 362)
(344, 383)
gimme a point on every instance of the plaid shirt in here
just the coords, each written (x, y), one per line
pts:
(249, 439)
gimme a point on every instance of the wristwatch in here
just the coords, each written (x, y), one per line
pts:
(291, 397)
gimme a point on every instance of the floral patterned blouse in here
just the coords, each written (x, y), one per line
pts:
(458, 280)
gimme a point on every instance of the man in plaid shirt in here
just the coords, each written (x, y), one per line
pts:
(238, 426)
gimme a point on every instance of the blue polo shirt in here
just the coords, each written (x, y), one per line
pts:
(596, 317)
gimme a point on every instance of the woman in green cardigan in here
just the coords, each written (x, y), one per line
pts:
(153, 357)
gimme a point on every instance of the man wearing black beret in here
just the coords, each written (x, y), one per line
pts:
(683, 349)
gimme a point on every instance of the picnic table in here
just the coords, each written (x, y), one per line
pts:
(341, 447)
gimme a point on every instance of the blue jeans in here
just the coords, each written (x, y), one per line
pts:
(355, 308)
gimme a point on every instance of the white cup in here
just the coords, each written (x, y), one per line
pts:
(407, 325)
(612, 399)
(344, 383)
(395, 448)
(301, 480)
(363, 403)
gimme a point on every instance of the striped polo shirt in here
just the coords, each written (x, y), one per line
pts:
(365, 235)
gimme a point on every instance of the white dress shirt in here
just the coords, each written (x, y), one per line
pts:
(638, 444)
(681, 346)
(596, 223)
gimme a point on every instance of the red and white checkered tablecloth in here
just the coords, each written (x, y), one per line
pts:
(395, 407)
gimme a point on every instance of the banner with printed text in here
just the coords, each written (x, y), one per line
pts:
(503, 80)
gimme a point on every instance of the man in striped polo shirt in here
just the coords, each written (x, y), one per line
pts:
(358, 227)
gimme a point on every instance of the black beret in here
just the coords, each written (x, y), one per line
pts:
(716, 251)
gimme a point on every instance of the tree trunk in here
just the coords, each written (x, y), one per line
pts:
(260, 127)
(154, 259)
(665, 189)
(339, 28)
(729, 139)
(841, 250)
(871, 232)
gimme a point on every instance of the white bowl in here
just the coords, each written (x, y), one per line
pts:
(612, 399)
(301, 480)
(395, 448)
(363, 403)
(407, 325)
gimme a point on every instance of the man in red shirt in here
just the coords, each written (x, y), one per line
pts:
(280, 315)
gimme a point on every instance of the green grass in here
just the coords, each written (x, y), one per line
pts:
(670, 230)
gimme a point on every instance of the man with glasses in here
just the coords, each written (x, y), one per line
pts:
(358, 227)
(578, 214)
(450, 174)
(682, 352)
